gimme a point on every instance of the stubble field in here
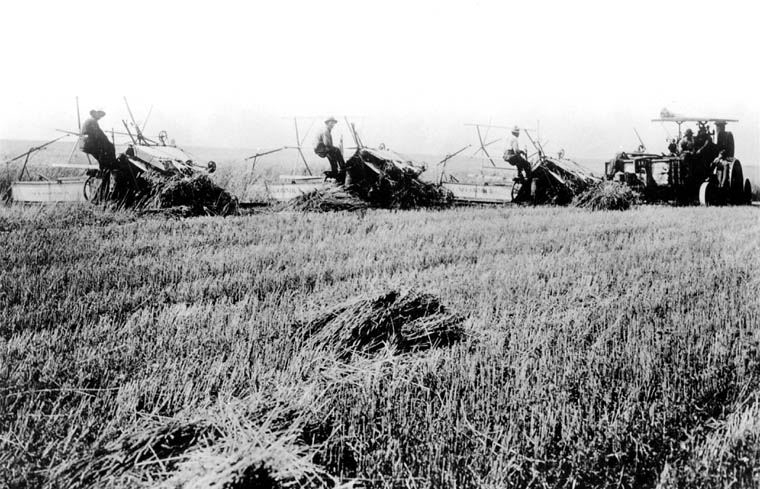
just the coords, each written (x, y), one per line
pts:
(600, 349)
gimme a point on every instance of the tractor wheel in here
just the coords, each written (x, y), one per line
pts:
(747, 192)
(735, 188)
(92, 189)
(708, 193)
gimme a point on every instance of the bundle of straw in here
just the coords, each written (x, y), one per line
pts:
(408, 321)
(256, 442)
(607, 195)
(407, 192)
(196, 192)
(332, 199)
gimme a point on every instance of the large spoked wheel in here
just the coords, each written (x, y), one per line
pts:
(708, 193)
(92, 188)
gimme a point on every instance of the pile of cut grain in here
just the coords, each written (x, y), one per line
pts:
(385, 193)
(404, 192)
(255, 442)
(194, 194)
(608, 196)
(331, 199)
(408, 322)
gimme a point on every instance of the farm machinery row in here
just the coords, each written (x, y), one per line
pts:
(696, 169)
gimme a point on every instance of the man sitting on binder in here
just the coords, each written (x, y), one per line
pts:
(325, 149)
(95, 142)
(516, 157)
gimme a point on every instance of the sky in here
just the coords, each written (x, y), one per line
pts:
(409, 73)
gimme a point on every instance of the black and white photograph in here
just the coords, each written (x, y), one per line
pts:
(400, 244)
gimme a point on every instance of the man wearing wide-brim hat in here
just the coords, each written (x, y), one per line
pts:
(515, 156)
(95, 142)
(325, 148)
(687, 142)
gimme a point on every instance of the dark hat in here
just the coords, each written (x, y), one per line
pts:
(331, 119)
(720, 123)
(97, 113)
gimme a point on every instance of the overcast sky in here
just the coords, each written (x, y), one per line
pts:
(411, 73)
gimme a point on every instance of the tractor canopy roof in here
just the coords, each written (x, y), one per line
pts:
(680, 119)
(668, 116)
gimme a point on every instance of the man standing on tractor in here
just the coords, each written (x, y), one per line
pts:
(703, 139)
(687, 141)
(326, 149)
(516, 157)
(724, 140)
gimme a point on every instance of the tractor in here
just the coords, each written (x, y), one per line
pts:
(697, 168)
